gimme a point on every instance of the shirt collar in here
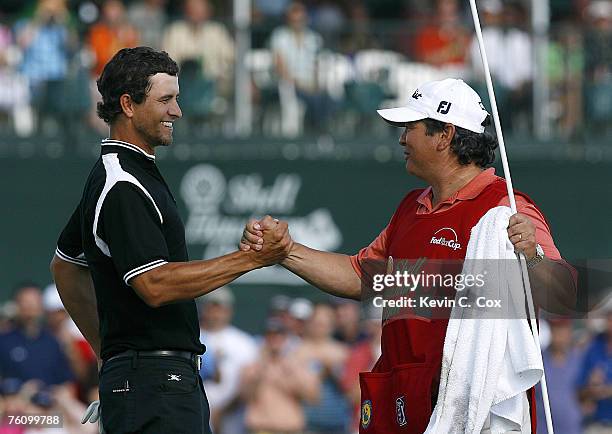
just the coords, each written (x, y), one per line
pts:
(467, 192)
(126, 145)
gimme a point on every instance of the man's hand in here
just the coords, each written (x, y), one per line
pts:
(330, 272)
(521, 232)
(252, 236)
(268, 237)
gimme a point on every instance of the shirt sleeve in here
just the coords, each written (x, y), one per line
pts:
(376, 251)
(70, 243)
(132, 227)
(543, 234)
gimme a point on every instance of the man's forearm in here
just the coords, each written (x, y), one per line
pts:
(179, 281)
(330, 272)
(553, 287)
(75, 287)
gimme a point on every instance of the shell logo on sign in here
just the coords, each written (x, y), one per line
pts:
(219, 206)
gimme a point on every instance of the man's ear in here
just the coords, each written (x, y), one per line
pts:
(127, 105)
(446, 137)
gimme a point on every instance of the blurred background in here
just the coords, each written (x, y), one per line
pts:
(279, 103)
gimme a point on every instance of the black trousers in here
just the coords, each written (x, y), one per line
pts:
(153, 395)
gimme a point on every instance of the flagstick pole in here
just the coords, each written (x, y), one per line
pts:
(504, 158)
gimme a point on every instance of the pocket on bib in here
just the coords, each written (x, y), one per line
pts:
(397, 401)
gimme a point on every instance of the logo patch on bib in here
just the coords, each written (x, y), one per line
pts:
(366, 413)
(399, 410)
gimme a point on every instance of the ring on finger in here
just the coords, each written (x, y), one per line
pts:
(520, 237)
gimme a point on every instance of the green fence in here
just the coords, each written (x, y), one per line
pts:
(331, 205)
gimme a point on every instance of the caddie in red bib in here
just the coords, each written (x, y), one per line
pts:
(445, 145)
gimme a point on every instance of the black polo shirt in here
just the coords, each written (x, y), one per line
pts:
(127, 223)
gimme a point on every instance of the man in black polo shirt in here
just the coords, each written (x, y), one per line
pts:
(126, 240)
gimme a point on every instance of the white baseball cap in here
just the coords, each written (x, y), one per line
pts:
(449, 100)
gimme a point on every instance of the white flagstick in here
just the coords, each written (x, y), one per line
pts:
(502, 151)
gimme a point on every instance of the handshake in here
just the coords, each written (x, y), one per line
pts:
(268, 240)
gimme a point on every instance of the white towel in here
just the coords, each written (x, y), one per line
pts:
(488, 364)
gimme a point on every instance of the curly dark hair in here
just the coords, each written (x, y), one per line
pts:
(129, 72)
(470, 147)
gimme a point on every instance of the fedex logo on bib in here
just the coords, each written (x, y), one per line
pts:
(446, 237)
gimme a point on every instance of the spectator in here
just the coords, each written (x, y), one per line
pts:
(275, 386)
(112, 33)
(74, 345)
(279, 308)
(232, 349)
(13, 403)
(149, 18)
(562, 361)
(14, 90)
(359, 35)
(520, 91)
(598, 66)
(595, 380)
(565, 74)
(28, 351)
(326, 358)
(444, 41)
(598, 40)
(45, 43)
(27, 399)
(197, 38)
(348, 330)
(295, 48)
(328, 19)
(300, 311)
(505, 40)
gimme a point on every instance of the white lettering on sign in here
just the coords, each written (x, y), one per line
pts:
(219, 208)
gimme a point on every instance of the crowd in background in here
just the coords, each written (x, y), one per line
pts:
(299, 376)
(314, 64)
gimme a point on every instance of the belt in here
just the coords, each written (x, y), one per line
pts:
(194, 358)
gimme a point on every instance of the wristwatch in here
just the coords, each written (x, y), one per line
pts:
(532, 262)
